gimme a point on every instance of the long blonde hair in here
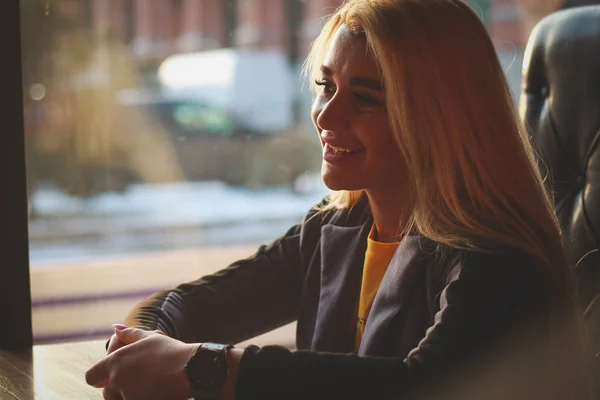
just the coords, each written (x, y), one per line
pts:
(473, 179)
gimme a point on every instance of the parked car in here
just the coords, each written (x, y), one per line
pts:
(91, 144)
(255, 85)
(210, 143)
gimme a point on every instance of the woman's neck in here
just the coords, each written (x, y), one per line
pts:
(390, 215)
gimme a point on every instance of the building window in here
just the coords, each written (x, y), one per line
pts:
(294, 13)
(230, 14)
(130, 21)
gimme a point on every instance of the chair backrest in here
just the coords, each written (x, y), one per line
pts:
(560, 103)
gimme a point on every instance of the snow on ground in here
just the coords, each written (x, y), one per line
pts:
(164, 216)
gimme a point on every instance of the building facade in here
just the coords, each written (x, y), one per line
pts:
(155, 29)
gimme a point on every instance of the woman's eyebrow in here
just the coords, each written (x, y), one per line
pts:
(367, 83)
(363, 82)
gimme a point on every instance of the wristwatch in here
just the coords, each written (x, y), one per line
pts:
(207, 370)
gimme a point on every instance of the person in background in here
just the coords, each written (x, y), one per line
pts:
(434, 269)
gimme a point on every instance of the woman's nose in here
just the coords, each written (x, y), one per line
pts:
(331, 114)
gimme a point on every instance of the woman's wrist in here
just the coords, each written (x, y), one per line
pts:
(182, 383)
(233, 356)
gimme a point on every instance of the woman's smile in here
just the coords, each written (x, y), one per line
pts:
(335, 155)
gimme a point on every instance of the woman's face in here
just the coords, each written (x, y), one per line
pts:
(350, 114)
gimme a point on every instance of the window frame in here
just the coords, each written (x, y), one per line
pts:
(15, 291)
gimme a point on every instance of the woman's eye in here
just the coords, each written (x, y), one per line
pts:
(328, 88)
(365, 100)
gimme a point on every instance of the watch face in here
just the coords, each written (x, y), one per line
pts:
(207, 370)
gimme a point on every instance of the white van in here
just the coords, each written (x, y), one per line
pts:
(256, 86)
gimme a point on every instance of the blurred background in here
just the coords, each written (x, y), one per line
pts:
(166, 138)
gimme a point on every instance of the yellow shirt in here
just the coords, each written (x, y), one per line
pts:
(377, 259)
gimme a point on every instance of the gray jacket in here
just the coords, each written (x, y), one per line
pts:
(439, 317)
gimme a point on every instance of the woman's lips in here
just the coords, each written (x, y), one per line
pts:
(333, 155)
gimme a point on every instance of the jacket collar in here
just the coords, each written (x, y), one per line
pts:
(342, 258)
(343, 247)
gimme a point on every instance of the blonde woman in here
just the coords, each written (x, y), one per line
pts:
(434, 269)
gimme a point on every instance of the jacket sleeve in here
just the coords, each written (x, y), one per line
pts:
(483, 312)
(250, 297)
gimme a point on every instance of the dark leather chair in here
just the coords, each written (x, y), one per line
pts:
(560, 103)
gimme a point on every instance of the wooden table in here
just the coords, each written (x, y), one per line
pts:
(57, 371)
(50, 372)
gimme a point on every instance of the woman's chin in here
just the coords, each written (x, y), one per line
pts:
(336, 183)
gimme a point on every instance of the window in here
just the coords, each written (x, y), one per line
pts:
(139, 180)
(155, 152)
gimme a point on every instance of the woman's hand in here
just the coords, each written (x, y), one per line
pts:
(114, 343)
(149, 365)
